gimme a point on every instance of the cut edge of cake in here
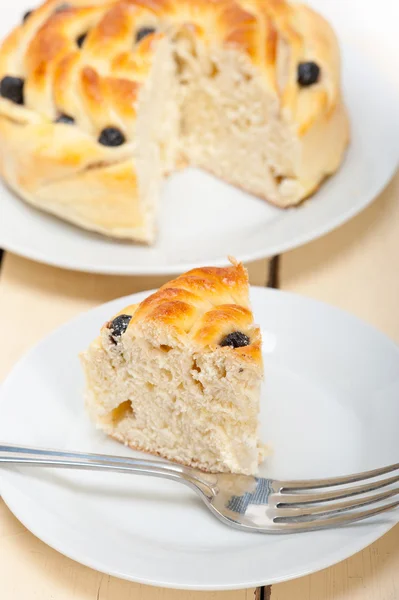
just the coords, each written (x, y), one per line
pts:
(179, 375)
(216, 86)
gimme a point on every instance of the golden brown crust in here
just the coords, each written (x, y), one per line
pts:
(98, 85)
(194, 293)
(205, 305)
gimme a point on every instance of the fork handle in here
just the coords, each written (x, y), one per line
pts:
(40, 457)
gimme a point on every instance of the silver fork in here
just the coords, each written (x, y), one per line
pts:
(245, 502)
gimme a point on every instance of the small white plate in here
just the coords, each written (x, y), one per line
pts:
(203, 219)
(329, 407)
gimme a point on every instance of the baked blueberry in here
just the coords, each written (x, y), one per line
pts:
(237, 339)
(27, 15)
(111, 136)
(118, 327)
(81, 40)
(308, 73)
(143, 32)
(12, 88)
(65, 119)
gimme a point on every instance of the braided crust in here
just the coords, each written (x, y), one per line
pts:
(201, 307)
(167, 385)
(213, 78)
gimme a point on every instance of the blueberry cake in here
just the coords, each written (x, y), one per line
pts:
(179, 375)
(101, 99)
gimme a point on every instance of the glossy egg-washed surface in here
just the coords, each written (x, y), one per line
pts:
(209, 305)
(75, 77)
(87, 58)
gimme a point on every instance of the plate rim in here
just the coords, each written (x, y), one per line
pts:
(153, 270)
(352, 549)
(10, 491)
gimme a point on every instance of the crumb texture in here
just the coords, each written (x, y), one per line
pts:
(100, 101)
(169, 388)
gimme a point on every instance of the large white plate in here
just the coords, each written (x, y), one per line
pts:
(202, 219)
(329, 407)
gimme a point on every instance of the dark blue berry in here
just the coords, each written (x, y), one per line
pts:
(118, 327)
(308, 73)
(81, 40)
(12, 88)
(65, 119)
(237, 339)
(143, 32)
(111, 136)
(27, 15)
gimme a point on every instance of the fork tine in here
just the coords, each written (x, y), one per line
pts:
(289, 524)
(332, 481)
(299, 499)
(292, 511)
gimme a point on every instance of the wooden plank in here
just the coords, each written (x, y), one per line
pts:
(34, 299)
(357, 269)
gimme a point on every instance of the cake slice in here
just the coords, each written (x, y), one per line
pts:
(179, 375)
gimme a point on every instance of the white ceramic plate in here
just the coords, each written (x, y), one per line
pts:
(195, 205)
(329, 407)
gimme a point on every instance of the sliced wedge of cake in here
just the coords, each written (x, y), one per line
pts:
(179, 375)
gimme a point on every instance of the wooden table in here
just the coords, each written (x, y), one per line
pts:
(355, 268)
